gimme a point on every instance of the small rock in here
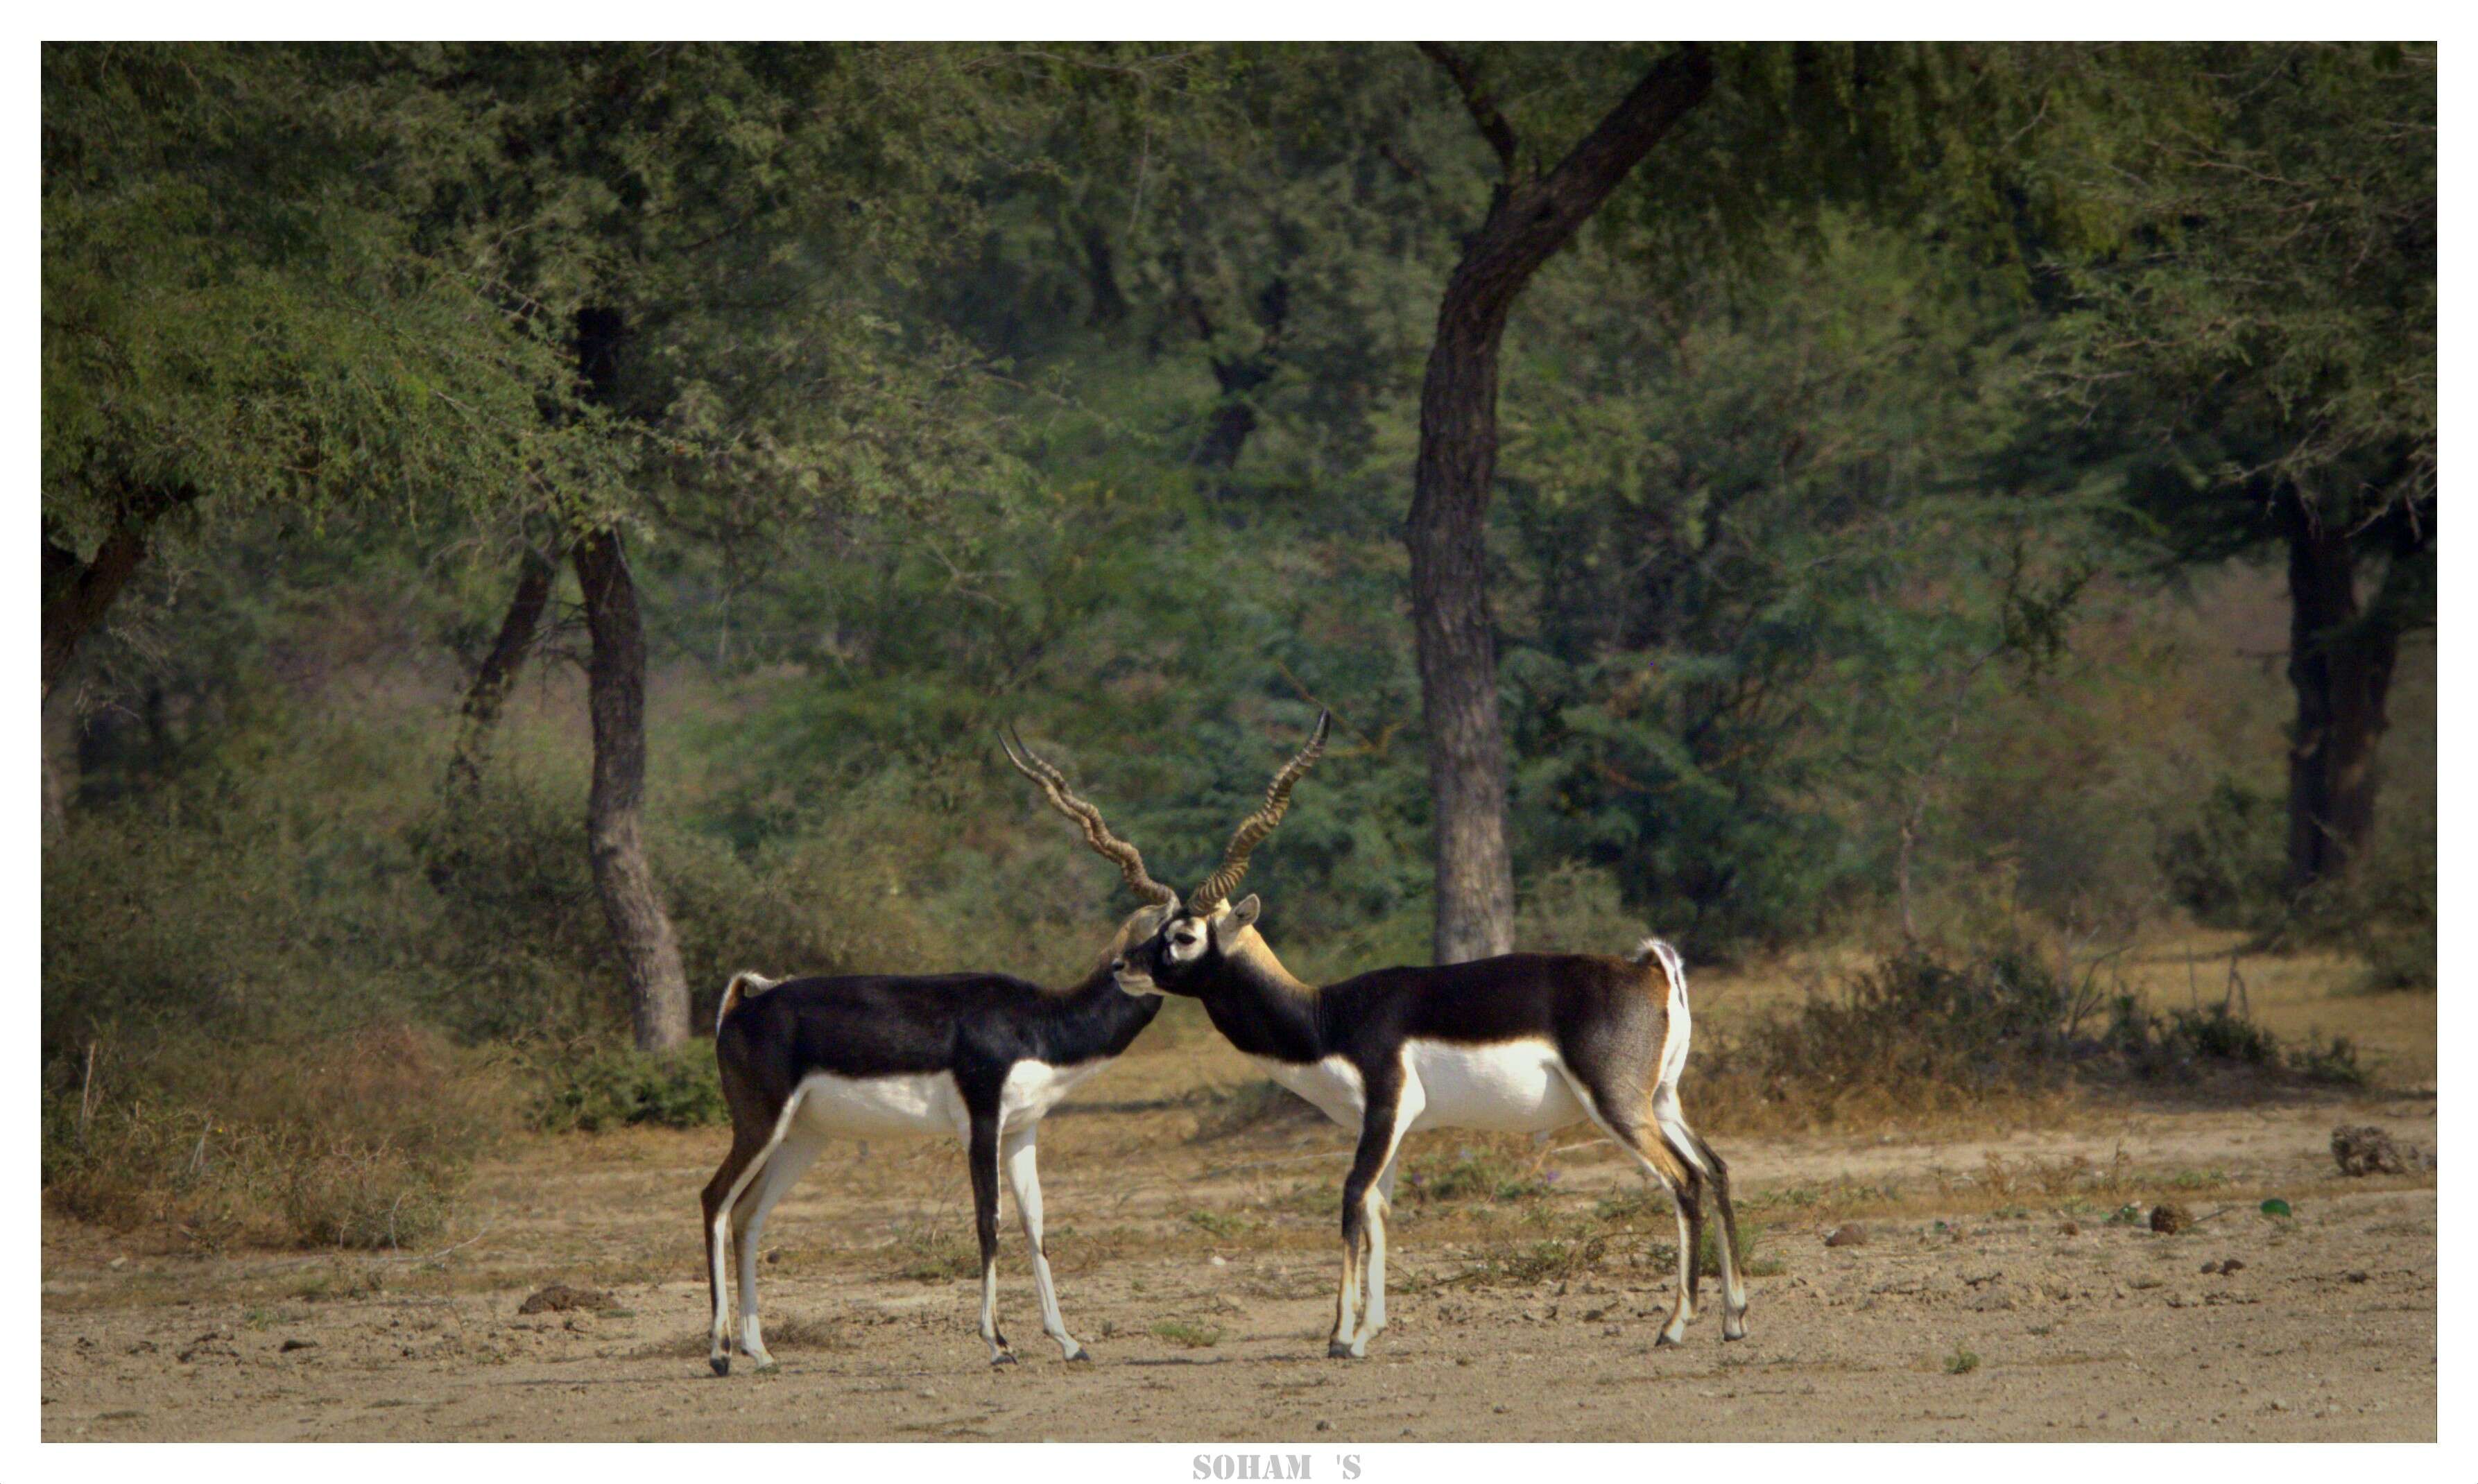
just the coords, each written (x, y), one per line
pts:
(2356, 1276)
(2069, 1228)
(2170, 1217)
(2363, 1149)
(559, 1297)
(1220, 1261)
(1612, 1331)
(1849, 1234)
(1323, 1425)
(289, 1345)
(2232, 1264)
(2210, 1267)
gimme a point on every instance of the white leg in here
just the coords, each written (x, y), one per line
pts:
(719, 1349)
(1734, 1289)
(1675, 1331)
(791, 1160)
(1016, 1150)
(1381, 1204)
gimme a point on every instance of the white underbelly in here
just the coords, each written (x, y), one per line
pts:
(929, 1102)
(924, 1102)
(1333, 1085)
(1515, 1087)
(1034, 1088)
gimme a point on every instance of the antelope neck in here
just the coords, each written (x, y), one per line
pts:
(1263, 1011)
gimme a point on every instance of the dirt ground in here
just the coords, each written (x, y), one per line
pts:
(1194, 1237)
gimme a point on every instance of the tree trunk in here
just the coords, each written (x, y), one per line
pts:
(497, 675)
(79, 594)
(1239, 376)
(650, 956)
(1527, 221)
(2341, 667)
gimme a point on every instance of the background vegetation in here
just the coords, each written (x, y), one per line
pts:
(1894, 542)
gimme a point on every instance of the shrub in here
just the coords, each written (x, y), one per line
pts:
(611, 1087)
(1922, 1033)
(1927, 1030)
(357, 1140)
(2226, 864)
(1471, 1174)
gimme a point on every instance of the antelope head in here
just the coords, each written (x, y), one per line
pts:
(1208, 925)
(1160, 901)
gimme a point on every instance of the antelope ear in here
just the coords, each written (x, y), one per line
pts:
(1241, 917)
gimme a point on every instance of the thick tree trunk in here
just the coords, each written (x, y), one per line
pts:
(1456, 470)
(650, 956)
(2340, 668)
(488, 694)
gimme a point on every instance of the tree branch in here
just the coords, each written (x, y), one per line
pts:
(1492, 124)
(1594, 167)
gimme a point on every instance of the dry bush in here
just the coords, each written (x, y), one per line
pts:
(1917, 1037)
(356, 1140)
(1925, 1035)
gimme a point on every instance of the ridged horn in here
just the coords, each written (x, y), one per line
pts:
(1253, 830)
(1110, 848)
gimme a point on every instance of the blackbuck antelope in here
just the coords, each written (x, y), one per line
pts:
(979, 1057)
(1525, 1043)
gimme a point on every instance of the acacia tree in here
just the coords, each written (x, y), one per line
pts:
(2265, 329)
(708, 234)
(238, 316)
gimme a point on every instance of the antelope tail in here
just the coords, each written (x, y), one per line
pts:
(742, 984)
(1681, 1017)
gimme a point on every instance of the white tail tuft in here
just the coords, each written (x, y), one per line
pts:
(748, 980)
(1681, 1019)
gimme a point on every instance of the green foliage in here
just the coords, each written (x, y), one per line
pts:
(612, 1087)
(1746, 527)
(236, 313)
(2269, 314)
(2226, 866)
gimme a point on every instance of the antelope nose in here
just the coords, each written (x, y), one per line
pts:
(1119, 965)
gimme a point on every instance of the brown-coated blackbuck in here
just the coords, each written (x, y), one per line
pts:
(977, 1057)
(1524, 1043)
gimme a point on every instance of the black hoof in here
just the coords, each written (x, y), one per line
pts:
(1005, 1358)
(1080, 1358)
(722, 1363)
(1662, 1340)
(1335, 1350)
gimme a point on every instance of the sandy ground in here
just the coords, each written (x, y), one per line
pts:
(1198, 1268)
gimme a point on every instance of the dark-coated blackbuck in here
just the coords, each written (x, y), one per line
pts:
(977, 1057)
(1523, 1043)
